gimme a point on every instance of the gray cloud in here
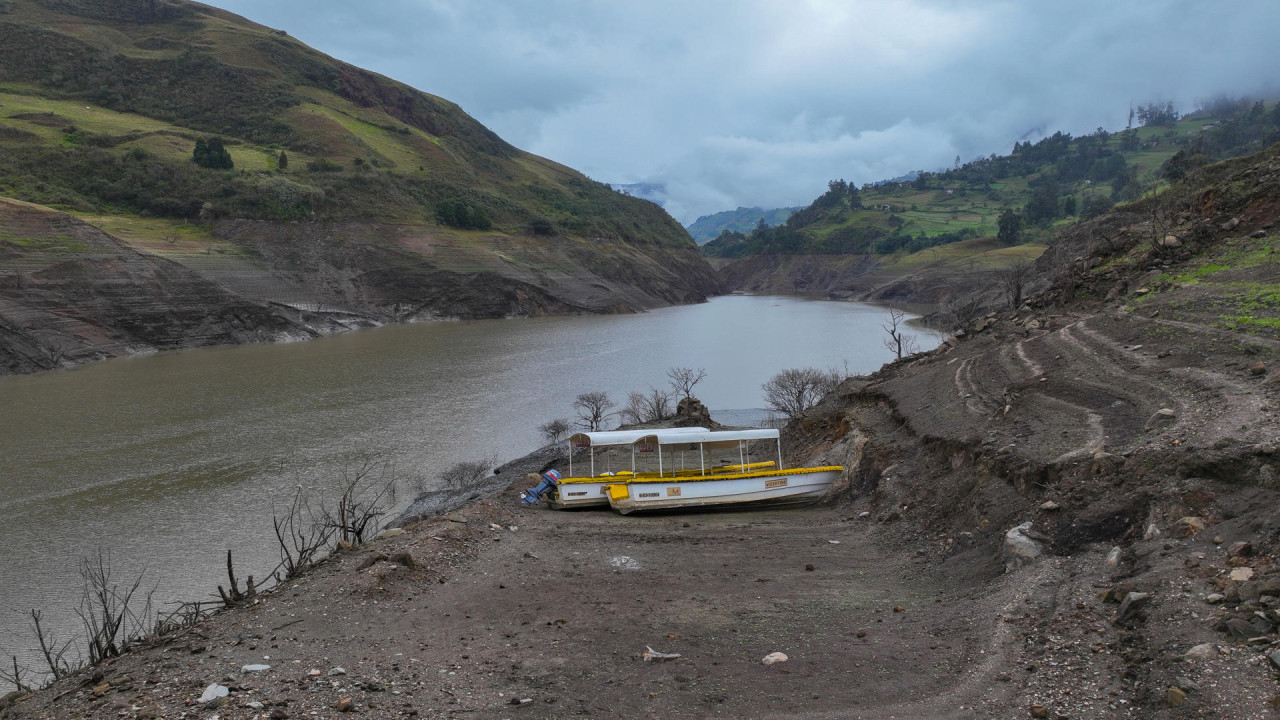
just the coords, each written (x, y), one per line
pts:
(755, 102)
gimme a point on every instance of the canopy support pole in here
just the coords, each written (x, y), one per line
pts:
(741, 462)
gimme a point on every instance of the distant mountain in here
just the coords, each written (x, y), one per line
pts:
(708, 227)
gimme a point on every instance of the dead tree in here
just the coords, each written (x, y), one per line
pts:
(899, 342)
(593, 408)
(55, 655)
(107, 610)
(300, 537)
(236, 596)
(1013, 281)
(684, 379)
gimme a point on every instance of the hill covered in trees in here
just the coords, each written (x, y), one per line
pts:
(743, 220)
(1017, 197)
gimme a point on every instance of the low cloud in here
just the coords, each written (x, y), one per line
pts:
(759, 103)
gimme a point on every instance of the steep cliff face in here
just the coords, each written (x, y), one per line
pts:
(413, 272)
(70, 293)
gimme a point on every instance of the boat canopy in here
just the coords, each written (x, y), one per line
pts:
(606, 438)
(706, 440)
(709, 439)
(625, 437)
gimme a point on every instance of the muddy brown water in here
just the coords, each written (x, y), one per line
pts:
(165, 462)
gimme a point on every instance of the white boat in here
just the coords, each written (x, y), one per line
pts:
(585, 490)
(679, 484)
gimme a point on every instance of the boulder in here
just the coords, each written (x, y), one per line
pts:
(1132, 603)
(1243, 548)
(1258, 369)
(1170, 241)
(1020, 550)
(1189, 526)
(1160, 418)
(405, 559)
(390, 533)
(213, 693)
(1231, 224)
(1203, 651)
(690, 412)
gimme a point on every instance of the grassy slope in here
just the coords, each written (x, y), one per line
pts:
(139, 88)
(951, 206)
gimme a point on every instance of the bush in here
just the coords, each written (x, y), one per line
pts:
(209, 153)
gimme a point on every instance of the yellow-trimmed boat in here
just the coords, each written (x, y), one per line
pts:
(744, 484)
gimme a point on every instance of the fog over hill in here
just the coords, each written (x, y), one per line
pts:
(755, 103)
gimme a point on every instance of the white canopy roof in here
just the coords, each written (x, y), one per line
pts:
(627, 437)
(708, 438)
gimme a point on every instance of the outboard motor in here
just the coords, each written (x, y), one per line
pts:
(550, 479)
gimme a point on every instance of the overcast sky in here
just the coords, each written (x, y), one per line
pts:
(761, 102)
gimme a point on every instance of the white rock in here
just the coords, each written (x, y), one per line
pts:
(337, 671)
(255, 705)
(255, 668)
(1215, 598)
(1242, 574)
(1019, 550)
(864, 514)
(213, 692)
(1203, 651)
(774, 657)
(834, 542)
(1113, 557)
(390, 533)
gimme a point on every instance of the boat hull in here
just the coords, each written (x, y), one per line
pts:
(569, 495)
(787, 487)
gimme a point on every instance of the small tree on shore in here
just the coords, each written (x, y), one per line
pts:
(1013, 280)
(898, 342)
(684, 379)
(795, 390)
(593, 408)
(467, 473)
(642, 408)
(553, 430)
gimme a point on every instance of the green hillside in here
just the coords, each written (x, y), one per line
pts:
(709, 227)
(1057, 180)
(102, 103)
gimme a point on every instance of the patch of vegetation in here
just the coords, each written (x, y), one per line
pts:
(101, 106)
(1020, 197)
